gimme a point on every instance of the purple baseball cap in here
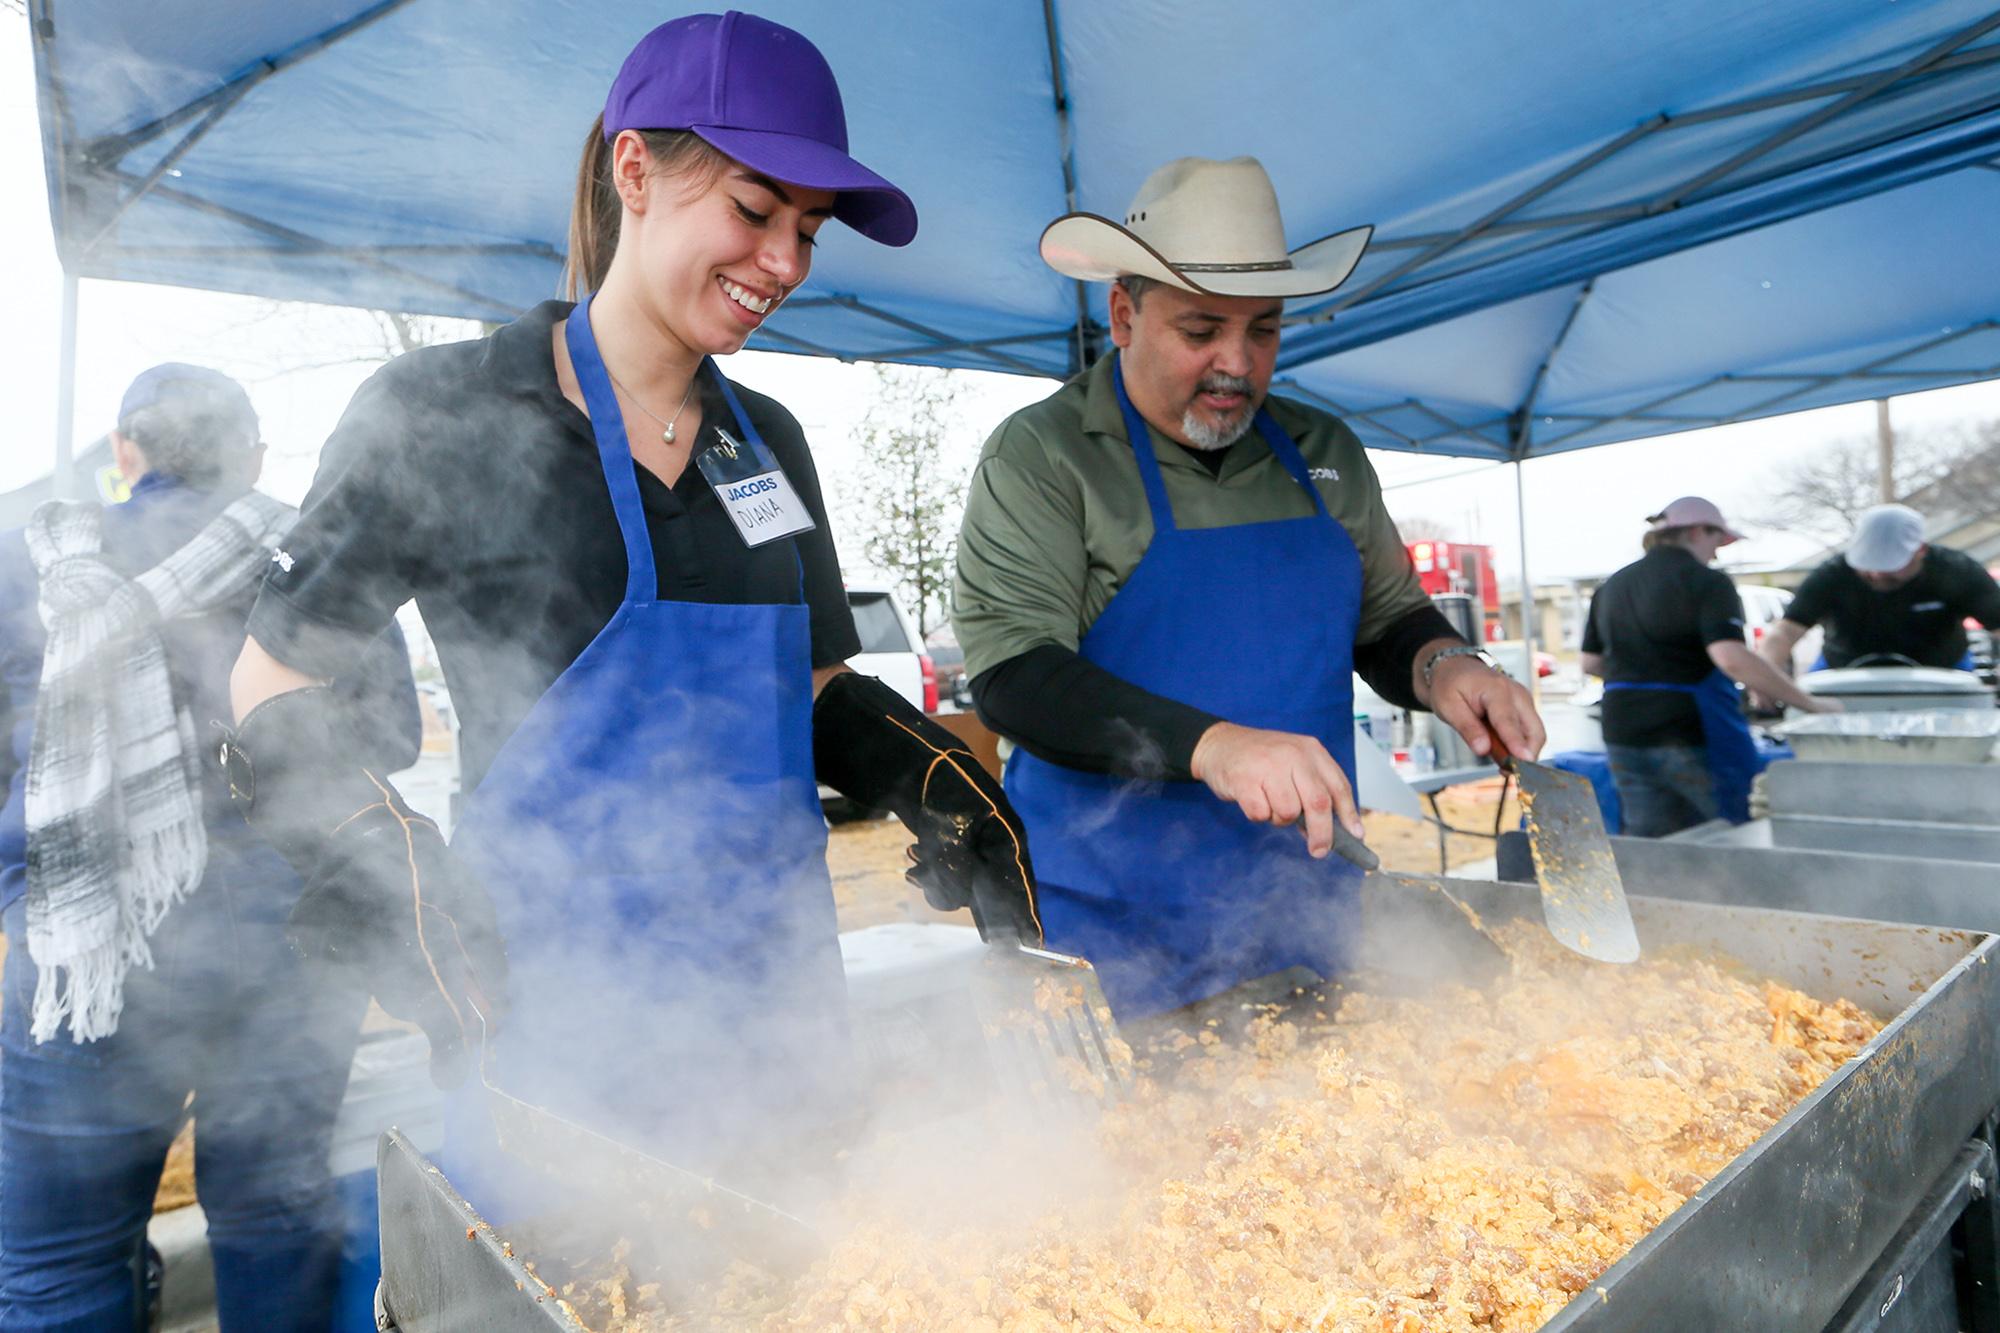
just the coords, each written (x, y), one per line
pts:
(764, 95)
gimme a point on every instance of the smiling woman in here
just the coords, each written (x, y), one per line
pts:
(633, 924)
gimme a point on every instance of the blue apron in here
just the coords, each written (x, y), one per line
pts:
(1725, 733)
(1170, 891)
(652, 840)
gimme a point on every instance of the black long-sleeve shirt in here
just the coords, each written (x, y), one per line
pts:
(1064, 708)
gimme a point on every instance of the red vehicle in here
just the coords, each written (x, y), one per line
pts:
(1460, 567)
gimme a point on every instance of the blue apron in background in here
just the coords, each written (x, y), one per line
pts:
(652, 840)
(1733, 760)
(1170, 891)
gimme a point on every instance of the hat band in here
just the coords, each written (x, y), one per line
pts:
(1275, 266)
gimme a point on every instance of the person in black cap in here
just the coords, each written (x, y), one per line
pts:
(1889, 599)
(148, 963)
(644, 628)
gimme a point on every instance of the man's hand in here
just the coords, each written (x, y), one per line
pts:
(1481, 703)
(1817, 703)
(1276, 777)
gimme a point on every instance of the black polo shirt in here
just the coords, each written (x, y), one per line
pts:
(1652, 622)
(1924, 620)
(460, 476)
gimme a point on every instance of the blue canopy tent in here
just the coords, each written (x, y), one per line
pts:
(1594, 222)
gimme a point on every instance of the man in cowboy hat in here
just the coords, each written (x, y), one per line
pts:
(1166, 581)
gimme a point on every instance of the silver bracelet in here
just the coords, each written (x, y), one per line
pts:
(1456, 650)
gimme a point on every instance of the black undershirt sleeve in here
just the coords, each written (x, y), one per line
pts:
(1389, 663)
(1061, 707)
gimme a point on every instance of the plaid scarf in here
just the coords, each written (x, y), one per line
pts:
(115, 833)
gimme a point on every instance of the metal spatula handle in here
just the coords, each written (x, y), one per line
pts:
(1352, 849)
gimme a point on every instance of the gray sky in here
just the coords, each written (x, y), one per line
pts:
(1585, 510)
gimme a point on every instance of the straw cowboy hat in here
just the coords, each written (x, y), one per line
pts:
(1203, 226)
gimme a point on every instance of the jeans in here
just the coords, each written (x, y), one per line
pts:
(261, 1040)
(1663, 788)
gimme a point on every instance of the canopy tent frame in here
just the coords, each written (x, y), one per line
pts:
(1929, 110)
(1843, 95)
(1474, 441)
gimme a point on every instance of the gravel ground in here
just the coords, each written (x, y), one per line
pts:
(867, 858)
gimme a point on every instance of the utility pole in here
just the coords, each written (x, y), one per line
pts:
(1885, 453)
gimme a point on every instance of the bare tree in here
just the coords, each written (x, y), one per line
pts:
(1425, 528)
(1956, 469)
(338, 335)
(907, 491)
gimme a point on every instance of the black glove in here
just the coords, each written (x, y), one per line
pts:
(382, 891)
(870, 745)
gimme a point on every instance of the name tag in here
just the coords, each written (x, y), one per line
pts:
(755, 491)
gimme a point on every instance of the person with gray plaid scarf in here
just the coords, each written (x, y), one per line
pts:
(148, 977)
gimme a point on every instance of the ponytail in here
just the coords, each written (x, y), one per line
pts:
(593, 218)
(595, 214)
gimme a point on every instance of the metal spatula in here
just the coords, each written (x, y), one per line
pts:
(1048, 1027)
(1409, 914)
(1583, 898)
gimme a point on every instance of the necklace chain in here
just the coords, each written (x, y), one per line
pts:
(666, 423)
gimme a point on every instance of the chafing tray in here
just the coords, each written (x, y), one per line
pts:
(1778, 1240)
(1936, 736)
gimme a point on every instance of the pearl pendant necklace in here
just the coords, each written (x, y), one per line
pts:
(666, 423)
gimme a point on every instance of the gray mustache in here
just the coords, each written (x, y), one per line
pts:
(1223, 384)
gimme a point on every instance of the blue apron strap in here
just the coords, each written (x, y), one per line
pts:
(746, 429)
(1289, 457)
(744, 426)
(607, 423)
(1141, 440)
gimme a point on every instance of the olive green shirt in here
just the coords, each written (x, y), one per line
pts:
(1056, 519)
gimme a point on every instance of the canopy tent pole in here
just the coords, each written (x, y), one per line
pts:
(1885, 453)
(62, 482)
(1083, 349)
(1534, 681)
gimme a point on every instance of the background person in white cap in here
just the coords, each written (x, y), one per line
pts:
(1666, 634)
(1889, 595)
(1166, 581)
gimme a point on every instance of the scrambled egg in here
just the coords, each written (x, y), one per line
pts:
(1469, 1160)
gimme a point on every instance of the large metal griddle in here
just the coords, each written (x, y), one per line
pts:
(1778, 1240)
(443, 1269)
(1916, 891)
(1919, 811)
